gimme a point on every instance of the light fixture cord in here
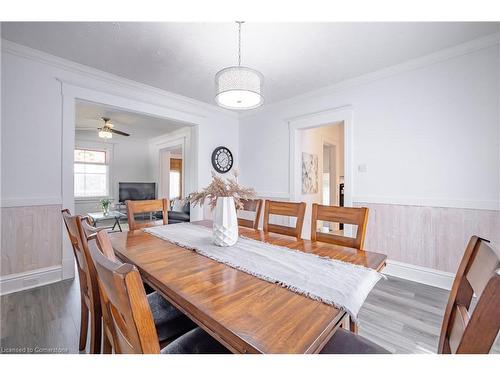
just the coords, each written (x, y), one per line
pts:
(239, 41)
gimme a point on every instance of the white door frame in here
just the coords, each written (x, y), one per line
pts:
(316, 120)
(167, 142)
(122, 98)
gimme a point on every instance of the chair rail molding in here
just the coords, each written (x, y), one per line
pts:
(30, 201)
(285, 195)
(429, 202)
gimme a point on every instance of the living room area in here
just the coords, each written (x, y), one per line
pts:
(122, 155)
(228, 184)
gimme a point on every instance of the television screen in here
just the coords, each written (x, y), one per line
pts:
(136, 191)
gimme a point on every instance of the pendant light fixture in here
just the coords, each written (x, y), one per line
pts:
(239, 87)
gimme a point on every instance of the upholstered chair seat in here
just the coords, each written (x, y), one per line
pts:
(196, 341)
(346, 342)
(170, 323)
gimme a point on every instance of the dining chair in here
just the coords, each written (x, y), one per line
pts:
(345, 215)
(88, 227)
(146, 206)
(290, 209)
(128, 318)
(89, 290)
(347, 342)
(251, 205)
(467, 328)
(170, 323)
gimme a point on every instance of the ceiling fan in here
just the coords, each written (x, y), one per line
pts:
(107, 129)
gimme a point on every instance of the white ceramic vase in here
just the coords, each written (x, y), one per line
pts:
(225, 228)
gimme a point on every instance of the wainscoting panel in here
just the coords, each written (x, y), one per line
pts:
(432, 237)
(31, 238)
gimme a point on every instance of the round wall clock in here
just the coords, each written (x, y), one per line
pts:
(222, 159)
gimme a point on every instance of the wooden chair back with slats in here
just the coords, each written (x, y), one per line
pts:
(89, 290)
(126, 312)
(290, 209)
(478, 275)
(143, 207)
(251, 205)
(345, 215)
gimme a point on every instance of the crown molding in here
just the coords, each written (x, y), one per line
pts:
(71, 66)
(409, 65)
(413, 64)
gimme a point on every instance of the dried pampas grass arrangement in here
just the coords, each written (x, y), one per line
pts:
(220, 187)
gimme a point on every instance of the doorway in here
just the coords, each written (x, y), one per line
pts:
(121, 100)
(332, 182)
(119, 166)
(322, 164)
(171, 173)
(309, 134)
(328, 177)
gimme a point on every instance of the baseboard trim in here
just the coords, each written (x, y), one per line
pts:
(423, 275)
(30, 279)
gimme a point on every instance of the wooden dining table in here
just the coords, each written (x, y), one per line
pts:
(246, 314)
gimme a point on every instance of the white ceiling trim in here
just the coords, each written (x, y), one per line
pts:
(445, 54)
(413, 64)
(71, 66)
(77, 90)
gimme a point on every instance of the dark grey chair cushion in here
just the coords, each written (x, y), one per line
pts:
(346, 342)
(170, 323)
(196, 341)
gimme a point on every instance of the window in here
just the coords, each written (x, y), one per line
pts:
(91, 173)
(175, 183)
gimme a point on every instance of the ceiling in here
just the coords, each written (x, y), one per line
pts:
(139, 126)
(294, 57)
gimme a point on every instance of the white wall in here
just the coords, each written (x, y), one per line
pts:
(428, 132)
(31, 113)
(129, 162)
(32, 123)
(428, 135)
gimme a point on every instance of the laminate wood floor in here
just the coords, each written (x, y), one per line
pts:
(400, 315)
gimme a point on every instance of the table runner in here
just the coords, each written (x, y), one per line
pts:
(340, 284)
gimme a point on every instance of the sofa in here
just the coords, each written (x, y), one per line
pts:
(179, 212)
